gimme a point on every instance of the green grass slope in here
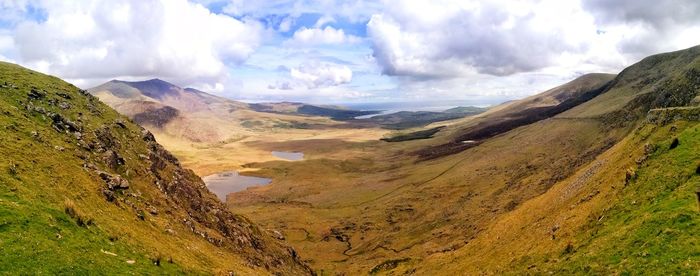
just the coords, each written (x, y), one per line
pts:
(652, 227)
(85, 191)
(632, 211)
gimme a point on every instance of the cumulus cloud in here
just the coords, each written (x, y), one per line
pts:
(281, 85)
(318, 74)
(654, 25)
(172, 39)
(659, 13)
(317, 36)
(449, 48)
(312, 75)
(453, 38)
(447, 39)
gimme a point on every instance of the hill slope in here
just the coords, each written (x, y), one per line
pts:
(631, 211)
(84, 190)
(511, 115)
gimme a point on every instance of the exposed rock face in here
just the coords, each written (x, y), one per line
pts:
(663, 116)
(156, 117)
(207, 217)
(231, 231)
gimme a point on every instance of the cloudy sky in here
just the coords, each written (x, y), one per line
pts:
(337, 51)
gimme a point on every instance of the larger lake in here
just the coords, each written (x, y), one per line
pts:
(222, 184)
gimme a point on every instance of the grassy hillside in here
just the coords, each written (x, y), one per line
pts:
(651, 228)
(511, 115)
(466, 110)
(85, 191)
(634, 210)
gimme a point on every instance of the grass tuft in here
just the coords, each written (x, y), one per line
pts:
(80, 218)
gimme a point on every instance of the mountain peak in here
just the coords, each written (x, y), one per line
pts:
(154, 88)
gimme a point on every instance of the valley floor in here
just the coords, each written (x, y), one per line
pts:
(358, 205)
(598, 175)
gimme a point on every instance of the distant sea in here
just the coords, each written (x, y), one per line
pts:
(393, 107)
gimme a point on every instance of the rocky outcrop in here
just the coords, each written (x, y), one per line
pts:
(663, 116)
(157, 117)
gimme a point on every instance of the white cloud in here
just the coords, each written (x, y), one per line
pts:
(448, 39)
(455, 38)
(450, 48)
(315, 36)
(313, 75)
(171, 39)
(319, 74)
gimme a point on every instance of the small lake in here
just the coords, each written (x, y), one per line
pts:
(222, 184)
(288, 155)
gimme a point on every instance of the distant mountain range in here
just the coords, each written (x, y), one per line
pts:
(194, 115)
(190, 114)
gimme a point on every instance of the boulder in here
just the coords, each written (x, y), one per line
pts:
(120, 123)
(109, 195)
(112, 159)
(64, 105)
(61, 123)
(35, 94)
(114, 182)
(147, 136)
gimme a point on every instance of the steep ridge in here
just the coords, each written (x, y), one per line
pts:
(511, 115)
(659, 81)
(85, 190)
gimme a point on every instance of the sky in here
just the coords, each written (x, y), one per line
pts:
(333, 51)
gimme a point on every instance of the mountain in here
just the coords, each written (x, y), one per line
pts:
(163, 107)
(597, 176)
(514, 114)
(83, 190)
(466, 109)
(411, 119)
